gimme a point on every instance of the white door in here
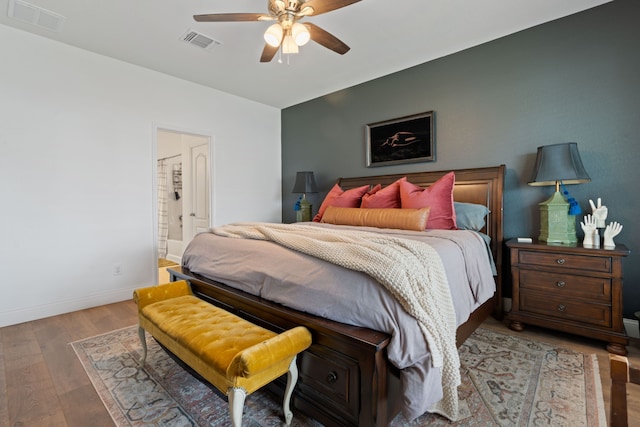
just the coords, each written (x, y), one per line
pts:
(198, 207)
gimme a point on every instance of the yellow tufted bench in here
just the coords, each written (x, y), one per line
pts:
(234, 355)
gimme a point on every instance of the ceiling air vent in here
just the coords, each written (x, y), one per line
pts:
(35, 15)
(200, 40)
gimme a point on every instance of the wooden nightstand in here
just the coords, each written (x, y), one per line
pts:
(570, 289)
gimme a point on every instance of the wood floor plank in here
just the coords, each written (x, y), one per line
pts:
(115, 316)
(83, 404)
(54, 336)
(4, 411)
(85, 323)
(19, 342)
(78, 399)
(31, 396)
(32, 400)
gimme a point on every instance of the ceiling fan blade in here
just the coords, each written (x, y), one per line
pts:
(324, 6)
(326, 39)
(268, 52)
(232, 17)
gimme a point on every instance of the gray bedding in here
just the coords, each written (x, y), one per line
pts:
(308, 284)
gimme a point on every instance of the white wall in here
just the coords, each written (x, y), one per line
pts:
(76, 171)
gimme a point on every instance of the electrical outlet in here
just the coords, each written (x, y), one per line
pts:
(117, 270)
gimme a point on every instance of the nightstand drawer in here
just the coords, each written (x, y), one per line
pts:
(591, 263)
(564, 285)
(562, 308)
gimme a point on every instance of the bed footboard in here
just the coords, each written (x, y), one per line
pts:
(345, 379)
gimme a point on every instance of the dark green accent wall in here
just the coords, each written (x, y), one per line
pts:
(574, 79)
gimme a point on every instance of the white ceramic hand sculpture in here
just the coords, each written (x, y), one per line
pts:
(591, 237)
(612, 230)
(599, 212)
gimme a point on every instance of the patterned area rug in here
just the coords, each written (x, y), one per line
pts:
(507, 381)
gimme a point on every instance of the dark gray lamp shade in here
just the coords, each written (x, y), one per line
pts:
(305, 183)
(559, 162)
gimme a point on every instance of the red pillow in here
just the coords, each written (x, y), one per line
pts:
(438, 196)
(380, 198)
(342, 199)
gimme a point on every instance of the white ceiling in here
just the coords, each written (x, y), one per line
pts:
(384, 36)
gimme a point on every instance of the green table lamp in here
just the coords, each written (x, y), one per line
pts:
(555, 165)
(305, 183)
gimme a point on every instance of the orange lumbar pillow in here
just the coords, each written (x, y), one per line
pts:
(403, 219)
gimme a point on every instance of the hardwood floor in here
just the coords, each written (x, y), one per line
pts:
(43, 384)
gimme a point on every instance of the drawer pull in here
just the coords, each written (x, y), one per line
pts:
(561, 284)
(561, 307)
(560, 261)
(332, 377)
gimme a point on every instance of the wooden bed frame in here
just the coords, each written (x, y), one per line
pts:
(622, 373)
(345, 378)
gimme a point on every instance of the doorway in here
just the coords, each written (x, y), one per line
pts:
(182, 203)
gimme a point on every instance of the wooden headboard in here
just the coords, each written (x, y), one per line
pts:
(480, 185)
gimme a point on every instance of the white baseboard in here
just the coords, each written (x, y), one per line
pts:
(41, 311)
(632, 327)
(175, 258)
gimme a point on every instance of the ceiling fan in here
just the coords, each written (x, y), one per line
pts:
(288, 33)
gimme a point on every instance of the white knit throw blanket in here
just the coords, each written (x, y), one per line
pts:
(411, 271)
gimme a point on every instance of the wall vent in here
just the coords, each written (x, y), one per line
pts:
(35, 15)
(200, 40)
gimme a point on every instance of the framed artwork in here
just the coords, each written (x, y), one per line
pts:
(403, 140)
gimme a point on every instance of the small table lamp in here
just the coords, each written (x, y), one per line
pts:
(556, 164)
(305, 183)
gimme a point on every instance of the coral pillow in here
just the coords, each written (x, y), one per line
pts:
(342, 199)
(438, 196)
(387, 197)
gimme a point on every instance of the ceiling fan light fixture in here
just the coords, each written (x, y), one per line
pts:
(300, 34)
(286, 34)
(289, 45)
(273, 35)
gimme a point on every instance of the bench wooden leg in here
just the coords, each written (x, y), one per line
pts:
(236, 405)
(292, 379)
(143, 340)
